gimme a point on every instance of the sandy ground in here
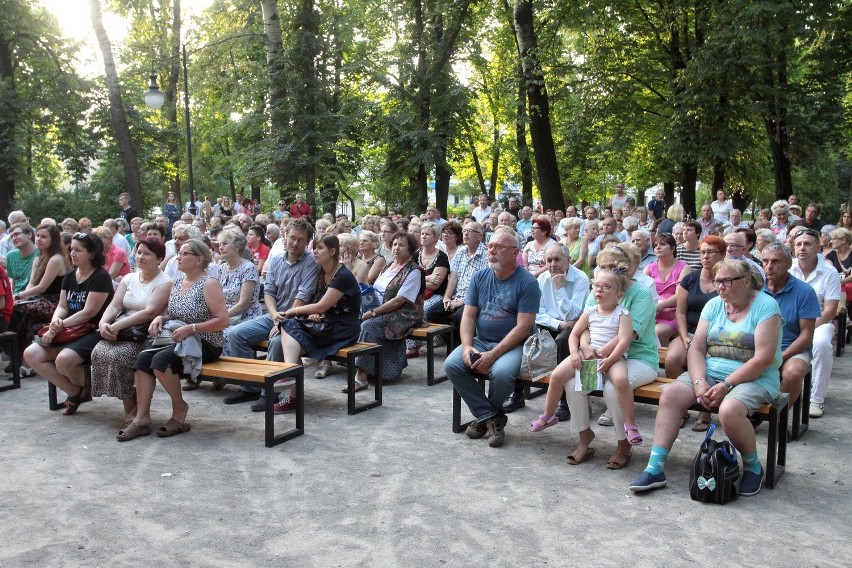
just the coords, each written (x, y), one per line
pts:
(391, 487)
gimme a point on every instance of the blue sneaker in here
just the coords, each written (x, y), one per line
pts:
(647, 481)
(751, 483)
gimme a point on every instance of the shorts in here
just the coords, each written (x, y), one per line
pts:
(750, 394)
(83, 346)
(151, 360)
(804, 356)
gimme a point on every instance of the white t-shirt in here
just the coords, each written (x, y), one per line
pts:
(722, 211)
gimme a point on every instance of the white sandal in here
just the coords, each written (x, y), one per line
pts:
(323, 371)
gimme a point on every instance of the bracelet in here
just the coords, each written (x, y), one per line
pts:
(194, 330)
(727, 384)
(696, 381)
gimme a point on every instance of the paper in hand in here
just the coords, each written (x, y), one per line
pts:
(588, 378)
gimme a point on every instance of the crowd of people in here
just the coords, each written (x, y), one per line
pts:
(745, 309)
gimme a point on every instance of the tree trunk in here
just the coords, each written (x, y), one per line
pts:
(687, 190)
(775, 121)
(495, 163)
(423, 101)
(10, 114)
(718, 177)
(170, 88)
(521, 141)
(544, 151)
(669, 191)
(283, 173)
(477, 166)
(442, 184)
(132, 183)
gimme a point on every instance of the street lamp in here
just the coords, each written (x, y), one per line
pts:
(154, 99)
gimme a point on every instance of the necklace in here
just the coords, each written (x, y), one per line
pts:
(736, 311)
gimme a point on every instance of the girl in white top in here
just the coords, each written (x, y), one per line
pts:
(602, 323)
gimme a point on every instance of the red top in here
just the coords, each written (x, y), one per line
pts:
(297, 211)
(6, 291)
(262, 253)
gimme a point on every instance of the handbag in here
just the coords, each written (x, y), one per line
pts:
(135, 333)
(539, 356)
(163, 339)
(715, 471)
(313, 328)
(369, 298)
(66, 334)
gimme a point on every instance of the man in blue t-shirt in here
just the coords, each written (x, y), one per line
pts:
(499, 314)
(799, 312)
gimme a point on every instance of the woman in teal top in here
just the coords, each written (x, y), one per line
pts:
(732, 365)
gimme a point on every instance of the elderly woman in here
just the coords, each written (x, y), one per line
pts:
(667, 272)
(592, 230)
(642, 358)
(645, 221)
(674, 215)
(349, 257)
(86, 293)
(36, 304)
(400, 288)
(368, 242)
(841, 259)
(733, 366)
(388, 231)
(196, 313)
(116, 263)
(781, 219)
(336, 300)
(577, 246)
(436, 266)
(451, 238)
(693, 293)
(764, 237)
(534, 251)
(141, 296)
(239, 279)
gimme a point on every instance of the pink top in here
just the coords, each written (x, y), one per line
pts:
(116, 254)
(666, 288)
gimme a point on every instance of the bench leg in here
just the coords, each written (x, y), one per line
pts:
(353, 408)
(776, 451)
(270, 439)
(431, 380)
(458, 427)
(12, 343)
(801, 410)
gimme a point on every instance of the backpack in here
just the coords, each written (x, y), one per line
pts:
(715, 471)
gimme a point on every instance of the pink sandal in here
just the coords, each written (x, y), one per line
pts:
(543, 422)
(634, 439)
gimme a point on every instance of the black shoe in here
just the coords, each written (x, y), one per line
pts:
(562, 412)
(259, 406)
(241, 396)
(514, 402)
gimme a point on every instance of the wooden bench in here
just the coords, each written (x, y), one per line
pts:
(9, 340)
(347, 356)
(428, 334)
(775, 413)
(248, 372)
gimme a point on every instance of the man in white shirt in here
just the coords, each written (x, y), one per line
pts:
(826, 283)
(736, 220)
(117, 239)
(483, 212)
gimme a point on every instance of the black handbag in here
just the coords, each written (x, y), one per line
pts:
(314, 328)
(715, 471)
(136, 333)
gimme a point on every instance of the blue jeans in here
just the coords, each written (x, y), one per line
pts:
(502, 379)
(242, 336)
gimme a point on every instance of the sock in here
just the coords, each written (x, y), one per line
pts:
(657, 460)
(751, 463)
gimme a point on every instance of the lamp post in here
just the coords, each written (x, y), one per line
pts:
(154, 98)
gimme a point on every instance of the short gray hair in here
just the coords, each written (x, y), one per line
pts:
(630, 223)
(236, 236)
(779, 247)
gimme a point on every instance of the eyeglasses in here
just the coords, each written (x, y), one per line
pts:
(495, 246)
(725, 282)
(708, 252)
(735, 246)
(468, 231)
(602, 287)
(185, 253)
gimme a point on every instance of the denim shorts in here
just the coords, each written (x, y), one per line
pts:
(750, 394)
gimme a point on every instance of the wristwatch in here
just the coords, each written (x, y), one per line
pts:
(372, 313)
(727, 384)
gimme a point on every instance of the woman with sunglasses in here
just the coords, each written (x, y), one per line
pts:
(733, 366)
(86, 293)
